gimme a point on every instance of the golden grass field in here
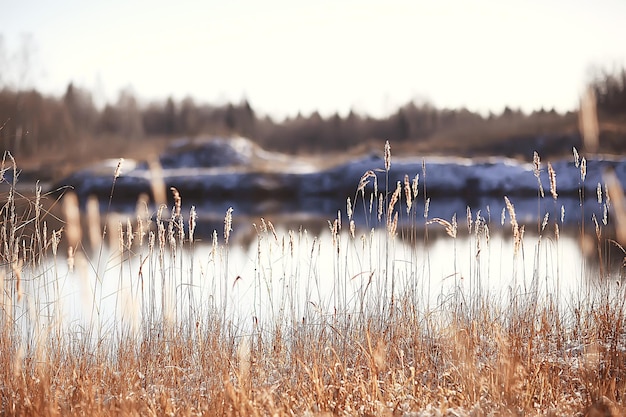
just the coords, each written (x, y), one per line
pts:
(385, 354)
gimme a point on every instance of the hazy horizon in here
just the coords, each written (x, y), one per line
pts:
(329, 57)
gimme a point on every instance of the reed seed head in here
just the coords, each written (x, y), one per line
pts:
(518, 232)
(394, 199)
(193, 216)
(552, 175)
(394, 225)
(415, 185)
(177, 202)
(349, 208)
(583, 169)
(451, 227)
(387, 156)
(365, 180)
(407, 194)
(228, 224)
(537, 171)
(599, 193)
(118, 169)
(598, 229)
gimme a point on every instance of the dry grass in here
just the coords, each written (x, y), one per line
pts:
(385, 354)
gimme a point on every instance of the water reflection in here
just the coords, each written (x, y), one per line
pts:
(314, 213)
(282, 276)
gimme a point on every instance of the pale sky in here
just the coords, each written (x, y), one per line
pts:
(290, 56)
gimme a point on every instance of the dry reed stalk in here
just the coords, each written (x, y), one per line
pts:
(120, 237)
(44, 232)
(37, 217)
(161, 230)
(271, 228)
(157, 183)
(415, 185)
(451, 228)
(130, 236)
(177, 202)
(193, 216)
(214, 246)
(393, 227)
(18, 361)
(588, 120)
(349, 208)
(517, 231)
(387, 156)
(350, 219)
(334, 230)
(291, 243)
(71, 211)
(338, 220)
(537, 171)
(552, 175)
(407, 194)
(598, 229)
(616, 194)
(392, 203)
(599, 193)
(55, 239)
(171, 236)
(93, 222)
(143, 217)
(244, 357)
(365, 180)
(16, 266)
(544, 223)
(118, 169)
(228, 225)
(70, 258)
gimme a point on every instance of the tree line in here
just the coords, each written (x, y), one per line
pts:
(31, 122)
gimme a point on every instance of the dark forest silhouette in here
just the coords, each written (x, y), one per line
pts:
(32, 124)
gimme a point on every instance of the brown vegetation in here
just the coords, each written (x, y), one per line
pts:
(392, 355)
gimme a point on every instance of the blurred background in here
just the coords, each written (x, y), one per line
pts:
(82, 82)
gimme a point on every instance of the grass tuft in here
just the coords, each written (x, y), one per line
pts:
(350, 322)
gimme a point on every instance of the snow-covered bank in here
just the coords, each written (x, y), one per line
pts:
(237, 172)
